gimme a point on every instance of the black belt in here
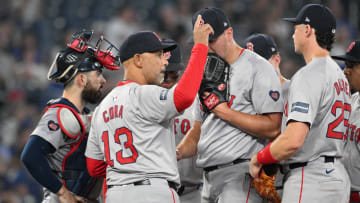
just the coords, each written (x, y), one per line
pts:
(145, 182)
(327, 159)
(236, 161)
(181, 189)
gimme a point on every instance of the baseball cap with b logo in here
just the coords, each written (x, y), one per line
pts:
(261, 44)
(317, 16)
(144, 41)
(352, 53)
(216, 18)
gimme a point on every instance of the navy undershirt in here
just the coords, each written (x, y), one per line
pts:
(34, 159)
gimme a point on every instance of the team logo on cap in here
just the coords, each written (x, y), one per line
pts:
(250, 46)
(201, 23)
(307, 20)
(350, 46)
(167, 55)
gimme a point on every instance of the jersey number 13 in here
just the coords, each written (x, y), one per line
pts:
(125, 145)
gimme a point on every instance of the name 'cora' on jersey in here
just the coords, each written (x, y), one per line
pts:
(343, 86)
(113, 112)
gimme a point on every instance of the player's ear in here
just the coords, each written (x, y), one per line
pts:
(138, 60)
(277, 58)
(82, 79)
(309, 30)
(229, 32)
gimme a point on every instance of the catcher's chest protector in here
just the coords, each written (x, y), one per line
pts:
(74, 171)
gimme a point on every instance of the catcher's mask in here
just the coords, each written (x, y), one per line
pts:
(79, 56)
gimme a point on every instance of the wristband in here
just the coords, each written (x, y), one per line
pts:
(264, 156)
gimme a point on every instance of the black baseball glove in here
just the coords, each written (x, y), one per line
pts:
(215, 81)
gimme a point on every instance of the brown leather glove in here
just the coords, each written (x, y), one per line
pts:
(264, 185)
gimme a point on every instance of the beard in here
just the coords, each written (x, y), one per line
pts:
(90, 94)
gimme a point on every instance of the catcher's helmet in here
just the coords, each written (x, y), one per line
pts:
(79, 56)
(69, 62)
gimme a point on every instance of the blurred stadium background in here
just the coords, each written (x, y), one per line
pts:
(33, 31)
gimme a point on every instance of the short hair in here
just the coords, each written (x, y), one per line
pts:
(325, 39)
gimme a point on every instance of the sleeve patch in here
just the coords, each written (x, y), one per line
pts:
(300, 107)
(163, 94)
(275, 95)
(53, 126)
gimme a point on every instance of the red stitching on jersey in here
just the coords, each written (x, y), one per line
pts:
(302, 183)
(172, 194)
(241, 51)
(247, 198)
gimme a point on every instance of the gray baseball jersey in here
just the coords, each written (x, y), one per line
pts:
(285, 94)
(320, 95)
(49, 129)
(62, 130)
(189, 173)
(352, 148)
(254, 89)
(131, 131)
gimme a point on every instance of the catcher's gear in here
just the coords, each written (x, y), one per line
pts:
(80, 56)
(74, 172)
(264, 185)
(215, 82)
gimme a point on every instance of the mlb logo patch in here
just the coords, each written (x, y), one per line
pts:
(163, 94)
(275, 95)
(300, 107)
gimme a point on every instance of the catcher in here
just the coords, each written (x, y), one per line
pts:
(54, 153)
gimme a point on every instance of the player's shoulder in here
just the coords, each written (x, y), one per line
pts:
(152, 91)
(257, 62)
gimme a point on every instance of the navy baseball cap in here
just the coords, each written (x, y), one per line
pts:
(352, 53)
(317, 16)
(261, 44)
(141, 42)
(216, 18)
(175, 62)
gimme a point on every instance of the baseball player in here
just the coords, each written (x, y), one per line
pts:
(351, 155)
(130, 131)
(266, 47)
(317, 114)
(234, 131)
(190, 175)
(54, 154)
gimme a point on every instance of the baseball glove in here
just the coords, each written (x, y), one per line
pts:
(214, 82)
(264, 185)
